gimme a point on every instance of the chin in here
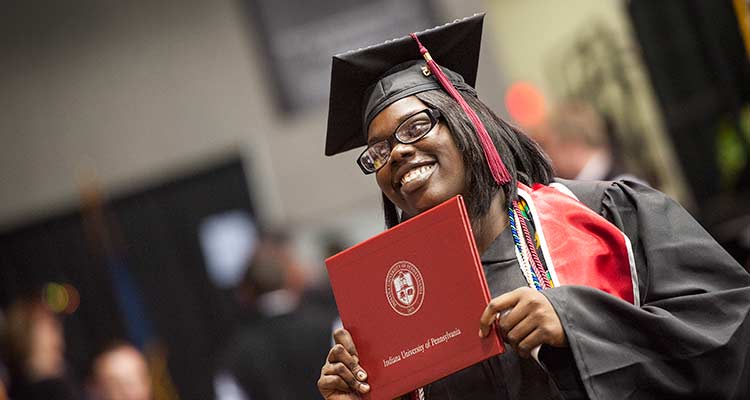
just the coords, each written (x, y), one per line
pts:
(427, 202)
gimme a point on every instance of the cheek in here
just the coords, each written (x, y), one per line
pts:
(455, 162)
(383, 179)
(461, 177)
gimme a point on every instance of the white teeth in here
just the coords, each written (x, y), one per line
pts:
(416, 173)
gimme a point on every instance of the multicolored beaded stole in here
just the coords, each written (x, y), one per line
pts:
(528, 246)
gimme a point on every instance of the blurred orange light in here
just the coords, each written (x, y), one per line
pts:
(525, 103)
(74, 299)
(61, 298)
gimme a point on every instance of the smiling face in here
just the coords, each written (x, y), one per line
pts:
(423, 174)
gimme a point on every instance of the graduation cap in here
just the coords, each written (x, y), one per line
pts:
(365, 81)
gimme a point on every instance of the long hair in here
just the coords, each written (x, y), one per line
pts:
(524, 159)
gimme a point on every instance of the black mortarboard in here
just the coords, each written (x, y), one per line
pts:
(396, 67)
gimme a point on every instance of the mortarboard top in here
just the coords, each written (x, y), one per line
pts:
(454, 46)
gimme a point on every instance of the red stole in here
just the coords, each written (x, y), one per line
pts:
(580, 247)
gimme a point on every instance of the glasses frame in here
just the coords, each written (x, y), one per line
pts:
(432, 113)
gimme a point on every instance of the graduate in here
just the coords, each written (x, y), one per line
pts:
(600, 290)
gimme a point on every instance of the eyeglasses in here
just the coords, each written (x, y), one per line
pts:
(415, 127)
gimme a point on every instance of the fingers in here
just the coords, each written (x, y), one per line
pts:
(532, 340)
(339, 354)
(345, 351)
(528, 308)
(345, 378)
(530, 322)
(332, 383)
(341, 336)
(342, 372)
(498, 305)
(520, 333)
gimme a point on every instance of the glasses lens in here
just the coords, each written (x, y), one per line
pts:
(375, 156)
(411, 130)
(415, 127)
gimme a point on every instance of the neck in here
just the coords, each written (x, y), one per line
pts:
(489, 226)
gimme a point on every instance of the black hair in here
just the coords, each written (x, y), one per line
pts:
(524, 159)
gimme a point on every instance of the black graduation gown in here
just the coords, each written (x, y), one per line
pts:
(688, 339)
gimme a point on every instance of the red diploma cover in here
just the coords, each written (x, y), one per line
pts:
(411, 297)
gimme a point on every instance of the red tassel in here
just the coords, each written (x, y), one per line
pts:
(497, 168)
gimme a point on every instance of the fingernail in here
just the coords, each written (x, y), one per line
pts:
(481, 334)
(364, 387)
(361, 375)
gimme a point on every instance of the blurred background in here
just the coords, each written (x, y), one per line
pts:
(164, 199)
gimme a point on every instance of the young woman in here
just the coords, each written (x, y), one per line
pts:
(672, 322)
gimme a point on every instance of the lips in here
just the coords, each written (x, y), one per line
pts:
(416, 173)
(411, 176)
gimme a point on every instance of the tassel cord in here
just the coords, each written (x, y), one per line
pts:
(495, 163)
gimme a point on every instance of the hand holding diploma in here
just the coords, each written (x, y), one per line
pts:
(525, 319)
(341, 377)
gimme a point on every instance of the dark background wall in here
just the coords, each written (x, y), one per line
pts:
(147, 252)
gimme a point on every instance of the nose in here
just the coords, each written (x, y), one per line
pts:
(401, 151)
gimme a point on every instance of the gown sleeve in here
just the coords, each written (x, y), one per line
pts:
(689, 338)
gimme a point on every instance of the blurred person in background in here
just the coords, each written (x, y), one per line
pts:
(276, 353)
(320, 295)
(575, 137)
(271, 290)
(120, 372)
(33, 347)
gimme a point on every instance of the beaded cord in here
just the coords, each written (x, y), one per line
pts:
(526, 213)
(532, 267)
(537, 263)
(526, 256)
(528, 273)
